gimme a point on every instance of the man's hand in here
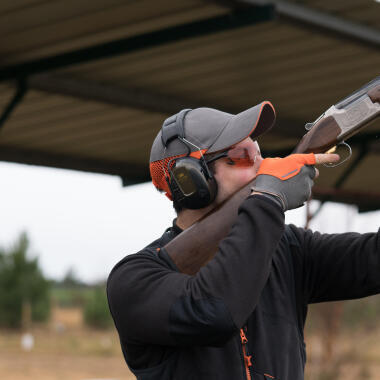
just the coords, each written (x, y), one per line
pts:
(289, 180)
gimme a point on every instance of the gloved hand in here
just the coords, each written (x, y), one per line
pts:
(289, 180)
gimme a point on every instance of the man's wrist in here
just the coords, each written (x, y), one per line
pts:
(274, 197)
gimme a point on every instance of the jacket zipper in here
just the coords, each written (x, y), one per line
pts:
(246, 357)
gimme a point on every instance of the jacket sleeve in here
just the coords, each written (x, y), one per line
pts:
(151, 303)
(339, 266)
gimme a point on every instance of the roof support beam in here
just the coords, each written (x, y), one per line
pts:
(130, 172)
(367, 200)
(17, 98)
(145, 100)
(322, 20)
(131, 97)
(362, 153)
(109, 94)
(148, 101)
(339, 183)
(117, 96)
(234, 20)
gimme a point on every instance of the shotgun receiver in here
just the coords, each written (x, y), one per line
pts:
(342, 120)
(193, 248)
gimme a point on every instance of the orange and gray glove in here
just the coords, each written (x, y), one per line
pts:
(287, 180)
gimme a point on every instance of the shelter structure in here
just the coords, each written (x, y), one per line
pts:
(86, 85)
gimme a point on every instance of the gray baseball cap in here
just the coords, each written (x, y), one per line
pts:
(211, 130)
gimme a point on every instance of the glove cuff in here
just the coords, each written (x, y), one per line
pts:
(275, 197)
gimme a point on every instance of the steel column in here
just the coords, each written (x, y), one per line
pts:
(17, 98)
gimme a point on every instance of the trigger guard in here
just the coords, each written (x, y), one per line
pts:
(332, 165)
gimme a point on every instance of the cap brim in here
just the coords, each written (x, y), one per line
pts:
(252, 122)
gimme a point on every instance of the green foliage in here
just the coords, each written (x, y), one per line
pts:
(70, 291)
(70, 297)
(77, 296)
(96, 312)
(361, 313)
(21, 282)
(71, 280)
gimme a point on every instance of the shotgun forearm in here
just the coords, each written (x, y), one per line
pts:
(197, 245)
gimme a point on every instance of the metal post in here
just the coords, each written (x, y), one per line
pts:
(17, 98)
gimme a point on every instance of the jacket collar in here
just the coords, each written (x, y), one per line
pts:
(175, 229)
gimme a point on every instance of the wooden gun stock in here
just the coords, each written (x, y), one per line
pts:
(194, 248)
(197, 245)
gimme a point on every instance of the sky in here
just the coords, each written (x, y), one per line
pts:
(88, 222)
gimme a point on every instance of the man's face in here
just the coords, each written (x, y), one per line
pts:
(232, 177)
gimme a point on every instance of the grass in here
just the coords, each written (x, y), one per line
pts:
(64, 349)
(67, 349)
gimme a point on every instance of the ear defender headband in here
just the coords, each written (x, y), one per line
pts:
(191, 183)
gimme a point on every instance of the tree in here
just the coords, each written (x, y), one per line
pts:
(21, 283)
(96, 312)
(71, 280)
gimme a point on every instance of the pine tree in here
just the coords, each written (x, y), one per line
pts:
(21, 284)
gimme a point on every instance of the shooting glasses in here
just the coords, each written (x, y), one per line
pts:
(244, 155)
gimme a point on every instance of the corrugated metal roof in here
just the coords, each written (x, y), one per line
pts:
(106, 117)
(44, 28)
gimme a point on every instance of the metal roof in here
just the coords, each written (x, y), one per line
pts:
(86, 84)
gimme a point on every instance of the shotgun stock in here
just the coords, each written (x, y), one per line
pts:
(197, 245)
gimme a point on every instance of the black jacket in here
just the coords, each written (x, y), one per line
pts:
(242, 316)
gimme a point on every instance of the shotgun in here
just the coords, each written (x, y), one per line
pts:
(192, 249)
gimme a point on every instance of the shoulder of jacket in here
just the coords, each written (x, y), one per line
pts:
(293, 234)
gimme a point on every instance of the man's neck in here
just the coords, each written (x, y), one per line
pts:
(188, 217)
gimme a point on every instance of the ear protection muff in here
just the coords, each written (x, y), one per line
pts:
(191, 183)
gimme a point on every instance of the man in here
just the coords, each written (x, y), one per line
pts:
(242, 315)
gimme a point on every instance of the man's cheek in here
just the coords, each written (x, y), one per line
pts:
(258, 162)
(248, 175)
